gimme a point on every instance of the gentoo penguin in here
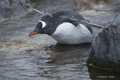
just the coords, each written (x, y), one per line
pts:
(62, 26)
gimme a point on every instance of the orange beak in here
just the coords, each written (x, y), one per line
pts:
(32, 34)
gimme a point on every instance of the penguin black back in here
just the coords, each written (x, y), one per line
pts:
(69, 14)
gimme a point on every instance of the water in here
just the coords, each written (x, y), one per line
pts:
(55, 62)
(39, 57)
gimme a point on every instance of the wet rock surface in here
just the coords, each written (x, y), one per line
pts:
(97, 5)
(14, 8)
(39, 57)
(105, 51)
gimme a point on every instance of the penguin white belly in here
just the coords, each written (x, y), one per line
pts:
(67, 33)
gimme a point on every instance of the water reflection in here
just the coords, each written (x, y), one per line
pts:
(103, 74)
(54, 62)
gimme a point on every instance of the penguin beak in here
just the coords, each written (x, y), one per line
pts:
(32, 33)
(36, 30)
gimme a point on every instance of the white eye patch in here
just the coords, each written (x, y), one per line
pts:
(43, 23)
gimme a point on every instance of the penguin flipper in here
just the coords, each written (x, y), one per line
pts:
(70, 20)
(77, 22)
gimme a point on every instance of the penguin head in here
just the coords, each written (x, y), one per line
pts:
(44, 26)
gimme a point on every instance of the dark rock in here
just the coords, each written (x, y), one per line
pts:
(105, 51)
(14, 8)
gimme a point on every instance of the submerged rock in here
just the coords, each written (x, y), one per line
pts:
(105, 51)
(14, 8)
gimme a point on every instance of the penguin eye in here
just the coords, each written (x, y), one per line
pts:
(43, 24)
